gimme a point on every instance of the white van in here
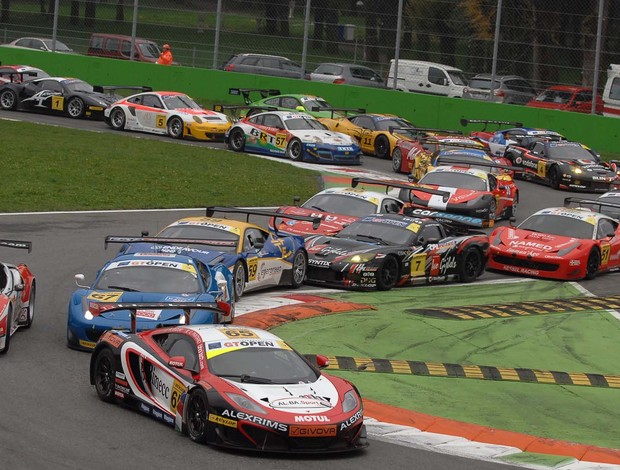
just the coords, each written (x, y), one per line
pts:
(427, 77)
(611, 93)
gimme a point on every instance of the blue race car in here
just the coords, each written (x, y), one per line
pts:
(148, 277)
(257, 257)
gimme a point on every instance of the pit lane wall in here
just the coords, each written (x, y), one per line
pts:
(210, 86)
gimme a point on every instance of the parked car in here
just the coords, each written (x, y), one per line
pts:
(351, 74)
(427, 77)
(117, 46)
(41, 44)
(568, 98)
(264, 64)
(611, 93)
(509, 89)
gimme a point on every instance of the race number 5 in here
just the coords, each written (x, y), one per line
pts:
(160, 120)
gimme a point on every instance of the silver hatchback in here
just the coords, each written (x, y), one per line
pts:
(509, 89)
(351, 74)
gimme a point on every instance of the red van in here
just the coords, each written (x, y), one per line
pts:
(117, 46)
(568, 98)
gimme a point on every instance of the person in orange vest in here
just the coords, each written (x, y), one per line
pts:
(165, 58)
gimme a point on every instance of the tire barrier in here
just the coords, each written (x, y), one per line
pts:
(521, 309)
(438, 369)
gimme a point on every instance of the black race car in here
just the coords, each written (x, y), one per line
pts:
(231, 386)
(66, 96)
(563, 164)
(381, 251)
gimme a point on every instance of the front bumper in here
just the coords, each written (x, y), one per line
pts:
(548, 267)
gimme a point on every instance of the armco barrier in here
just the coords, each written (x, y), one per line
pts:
(601, 133)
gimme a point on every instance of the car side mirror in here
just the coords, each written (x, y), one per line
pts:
(177, 361)
(322, 361)
(79, 281)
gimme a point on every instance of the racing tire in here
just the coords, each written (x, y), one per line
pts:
(236, 139)
(30, 313)
(76, 108)
(397, 160)
(175, 127)
(105, 373)
(7, 341)
(512, 210)
(387, 274)
(117, 119)
(593, 264)
(239, 280)
(471, 266)
(8, 100)
(294, 150)
(382, 147)
(197, 416)
(554, 177)
(300, 266)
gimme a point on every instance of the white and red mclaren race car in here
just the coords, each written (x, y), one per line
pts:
(167, 112)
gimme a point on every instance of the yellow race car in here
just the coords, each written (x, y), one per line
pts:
(377, 133)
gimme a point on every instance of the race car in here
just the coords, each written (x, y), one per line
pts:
(293, 135)
(500, 140)
(372, 131)
(168, 113)
(474, 194)
(337, 208)
(20, 73)
(17, 296)
(65, 96)
(563, 165)
(258, 258)
(235, 387)
(565, 243)
(381, 251)
(412, 156)
(148, 277)
(270, 98)
(612, 197)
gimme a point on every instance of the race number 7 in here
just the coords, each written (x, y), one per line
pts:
(418, 264)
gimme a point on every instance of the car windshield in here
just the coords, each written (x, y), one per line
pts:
(454, 179)
(79, 85)
(261, 365)
(559, 225)
(143, 278)
(568, 152)
(202, 232)
(341, 204)
(457, 77)
(384, 233)
(317, 103)
(554, 96)
(180, 102)
(385, 124)
(60, 47)
(297, 124)
(611, 211)
(482, 83)
(149, 50)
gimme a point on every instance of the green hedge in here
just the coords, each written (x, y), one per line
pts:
(205, 85)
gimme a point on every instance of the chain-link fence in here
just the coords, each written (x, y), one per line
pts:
(545, 41)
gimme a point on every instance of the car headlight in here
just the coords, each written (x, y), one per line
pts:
(350, 401)
(246, 403)
(360, 258)
(197, 119)
(577, 170)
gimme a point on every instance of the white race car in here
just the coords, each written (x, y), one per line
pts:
(167, 112)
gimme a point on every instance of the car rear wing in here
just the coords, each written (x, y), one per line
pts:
(110, 89)
(17, 244)
(316, 221)
(12, 74)
(460, 145)
(584, 203)
(251, 110)
(345, 111)
(400, 185)
(97, 308)
(167, 241)
(486, 122)
(245, 92)
(426, 130)
(460, 222)
(442, 160)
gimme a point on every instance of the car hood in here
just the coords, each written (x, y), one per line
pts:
(320, 136)
(457, 196)
(333, 249)
(526, 242)
(330, 223)
(211, 116)
(298, 399)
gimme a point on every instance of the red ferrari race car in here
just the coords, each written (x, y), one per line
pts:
(479, 195)
(236, 387)
(17, 294)
(566, 243)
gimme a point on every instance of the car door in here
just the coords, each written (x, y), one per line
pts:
(152, 115)
(608, 232)
(43, 95)
(365, 132)
(437, 82)
(263, 258)
(267, 133)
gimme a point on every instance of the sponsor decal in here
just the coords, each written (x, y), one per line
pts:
(113, 339)
(239, 415)
(168, 419)
(351, 421)
(148, 314)
(318, 262)
(118, 394)
(312, 431)
(234, 333)
(574, 262)
(122, 389)
(300, 402)
(87, 344)
(528, 244)
(311, 419)
(145, 408)
(105, 296)
(266, 273)
(157, 384)
(446, 264)
(120, 375)
(248, 343)
(231, 423)
(156, 413)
